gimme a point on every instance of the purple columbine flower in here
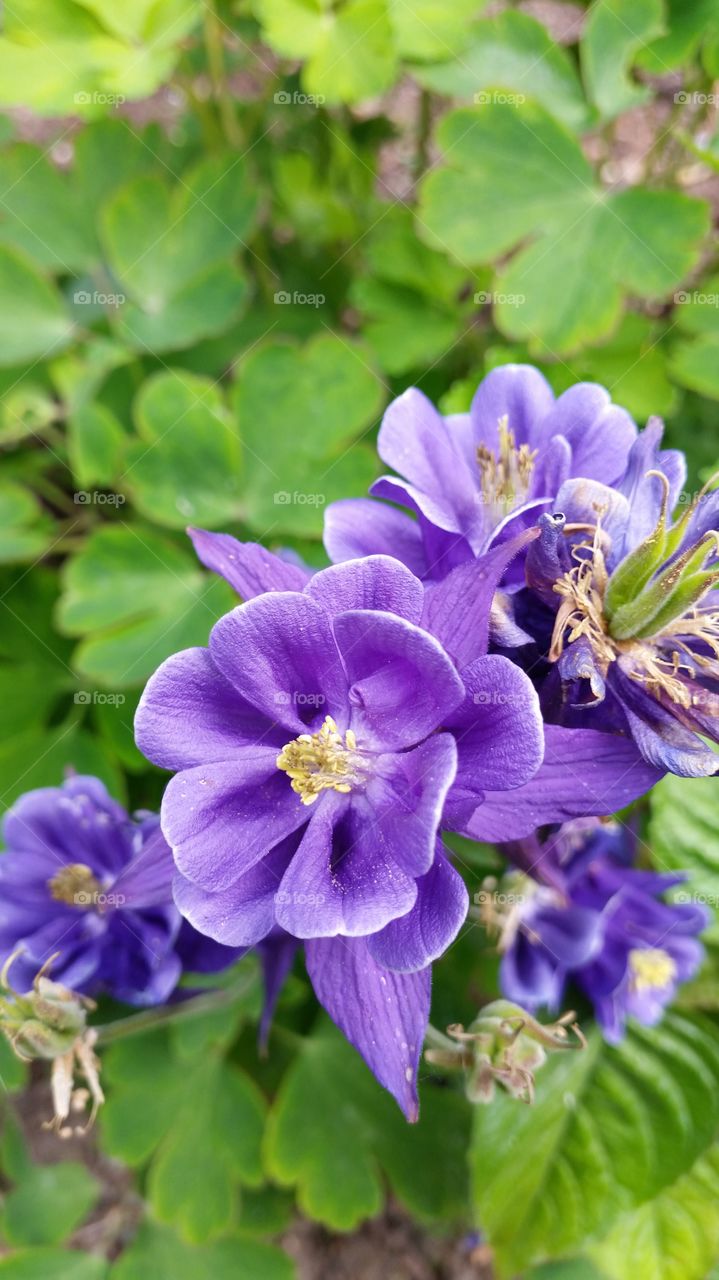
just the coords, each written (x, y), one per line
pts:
(475, 478)
(82, 878)
(329, 731)
(586, 915)
(626, 610)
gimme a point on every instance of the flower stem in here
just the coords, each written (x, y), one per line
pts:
(149, 1018)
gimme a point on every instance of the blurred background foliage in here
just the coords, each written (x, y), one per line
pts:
(229, 233)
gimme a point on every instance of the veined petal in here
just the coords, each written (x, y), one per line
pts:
(422, 935)
(249, 568)
(498, 729)
(383, 1014)
(515, 391)
(357, 527)
(374, 582)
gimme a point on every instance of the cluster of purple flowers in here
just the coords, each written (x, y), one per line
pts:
(521, 645)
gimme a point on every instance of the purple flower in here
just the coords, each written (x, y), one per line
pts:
(315, 743)
(473, 479)
(626, 613)
(591, 918)
(82, 878)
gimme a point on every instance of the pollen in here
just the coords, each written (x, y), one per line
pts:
(581, 612)
(322, 761)
(651, 968)
(505, 476)
(76, 885)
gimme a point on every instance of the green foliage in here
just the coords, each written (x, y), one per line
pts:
(207, 299)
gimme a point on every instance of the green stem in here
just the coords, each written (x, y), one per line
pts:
(149, 1018)
(216, 65)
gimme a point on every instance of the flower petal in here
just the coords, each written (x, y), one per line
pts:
(357, 527)
(599, 432)
(402, 682)
(220, 819)
(420, 445)
(279, 652)
(374, 582)
(405, 797)
(383, 1014)
(189, 713)
(515, 391)
(242, 913)
(249, 568)
(422, 935)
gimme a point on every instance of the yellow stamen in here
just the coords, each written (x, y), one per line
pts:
(322, 761)
(651, 968)
(505, 478)
(76, 885)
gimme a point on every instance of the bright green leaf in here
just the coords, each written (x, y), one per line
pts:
(49, 1203)
(34, 323)
(616, 31)
(161, 1255)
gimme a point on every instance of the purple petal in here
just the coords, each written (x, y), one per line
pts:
(499, 730)
(279, 652)
(342, 880)
(189, 713)
(405, 797)
(77, 822)
(572, 935)
(417, 442)
(383, 1014)
(582, 500)
(243, 913)
(599, 432)
(375, 582)
(402, 682)
(552, 467)
(146, 881)
(529, 975)
(457, 610)
(584, 773)
(277, 954)
(356, 527)
(413, 941)
(249, 568)
(517, 391)
(222, 818)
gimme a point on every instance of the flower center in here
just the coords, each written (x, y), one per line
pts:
(322, 761)
(76, 885)
(505, 477)
(651, 968)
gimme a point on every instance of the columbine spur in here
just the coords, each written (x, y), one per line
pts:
(82, 878)
(629, 614)
(476, 478)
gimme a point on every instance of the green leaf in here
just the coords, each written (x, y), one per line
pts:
(96, 442)
(430, 29)
(349, 51)
(684, 834)
(403, 329)
(34, 323)
(675, 1237)
(203, 1136)
(332, 1129)
(173, 252)
(53, 1264)
(24, 531)
(685, 26)
(49, 1203)
(158, 1253)
(186, 468)
(137, 597)
(616, 31)
(696, 365)
(299, 410)
(513, 175)
(513, 53)
(659, 1085)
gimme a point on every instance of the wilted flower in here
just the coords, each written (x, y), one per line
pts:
(634, 641)
(49, 1022)
(587, 915)
(506, 1046)
(475, 478)
(82, 878)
